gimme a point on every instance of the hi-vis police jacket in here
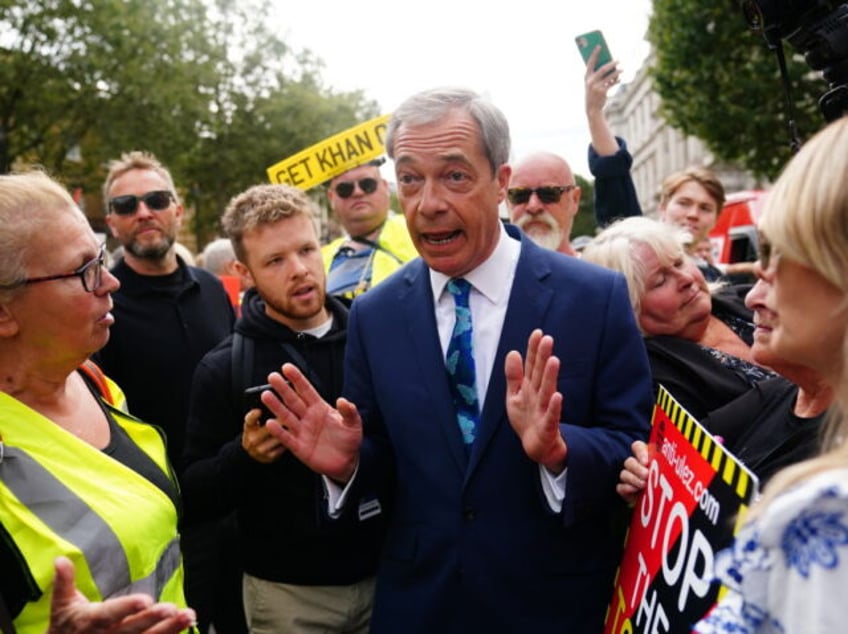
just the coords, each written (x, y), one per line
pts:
(61, 496)
(394, 249)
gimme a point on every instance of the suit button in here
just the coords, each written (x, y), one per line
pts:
(468, 514)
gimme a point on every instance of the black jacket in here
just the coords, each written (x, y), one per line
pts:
(282, 532)
(163, 327)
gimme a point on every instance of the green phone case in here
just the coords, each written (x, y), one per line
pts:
(587, 43)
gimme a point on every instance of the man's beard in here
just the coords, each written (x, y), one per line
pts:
(291, 310)
(154, 252)
(549, 239)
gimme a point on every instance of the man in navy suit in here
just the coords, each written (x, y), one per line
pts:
(514, 530)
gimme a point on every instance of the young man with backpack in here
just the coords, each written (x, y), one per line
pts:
(298, 568)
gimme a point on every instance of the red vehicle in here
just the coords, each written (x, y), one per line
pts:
(734, 236)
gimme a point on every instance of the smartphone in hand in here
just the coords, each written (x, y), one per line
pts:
(587, 42)
(252, 401)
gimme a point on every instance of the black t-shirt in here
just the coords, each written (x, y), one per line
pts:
(761, 429)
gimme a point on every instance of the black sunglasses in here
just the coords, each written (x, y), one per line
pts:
(90, 274)
(367, 185)
(127, 205)
(548, 195)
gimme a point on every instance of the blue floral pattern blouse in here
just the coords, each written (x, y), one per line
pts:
(787, 571)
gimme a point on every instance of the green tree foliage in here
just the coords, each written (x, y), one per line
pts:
(126, 73)
(270, 104)
(205, 85)
(584, 221)
(719, 82)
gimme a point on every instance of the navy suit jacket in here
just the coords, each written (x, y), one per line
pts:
(472, 545)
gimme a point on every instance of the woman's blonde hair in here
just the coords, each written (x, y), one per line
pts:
(29, 201)
(805, 215)
(805, 218)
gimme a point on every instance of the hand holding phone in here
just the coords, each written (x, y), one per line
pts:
(252, 400)
(586, 44)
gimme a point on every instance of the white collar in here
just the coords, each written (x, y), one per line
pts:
(490, 277)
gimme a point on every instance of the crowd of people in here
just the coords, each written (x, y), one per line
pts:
(436, 422)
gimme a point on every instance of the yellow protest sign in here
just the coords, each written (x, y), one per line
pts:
(332, 156)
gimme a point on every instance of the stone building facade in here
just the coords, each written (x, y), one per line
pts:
(657, 148)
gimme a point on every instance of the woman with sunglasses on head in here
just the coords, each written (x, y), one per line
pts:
(88, 501)
(789, 567)
(376, 241)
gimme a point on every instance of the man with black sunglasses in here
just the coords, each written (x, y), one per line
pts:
(376, 241)
(543, 199)
(167, 316)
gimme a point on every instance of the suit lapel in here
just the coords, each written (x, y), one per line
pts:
(529, 300)
(416, 300)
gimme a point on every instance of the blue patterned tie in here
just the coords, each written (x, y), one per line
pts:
(460, 364)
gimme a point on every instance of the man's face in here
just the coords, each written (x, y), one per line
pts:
(547, 223)
(448, 193)
(147, 233)
(703, 249)
(284, 262)
(360, 209)
(693, 208)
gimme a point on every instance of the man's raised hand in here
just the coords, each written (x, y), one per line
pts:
(533, 403)
(324, 438)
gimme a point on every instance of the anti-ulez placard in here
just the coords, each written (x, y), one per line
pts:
(332, 156)
(693, 503)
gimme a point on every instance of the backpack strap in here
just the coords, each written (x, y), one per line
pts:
(91, 371)
(307, 370)
(241, 372)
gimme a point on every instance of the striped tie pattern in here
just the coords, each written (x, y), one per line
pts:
(460, 363)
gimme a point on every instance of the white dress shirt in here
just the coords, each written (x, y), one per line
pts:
(491, 284)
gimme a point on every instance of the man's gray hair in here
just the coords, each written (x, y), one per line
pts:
(217, 255)
(433, 105)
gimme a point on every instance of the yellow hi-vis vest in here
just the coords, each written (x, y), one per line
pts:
(61, 496)
(396, 249)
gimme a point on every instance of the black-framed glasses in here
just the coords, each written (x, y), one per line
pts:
(345, 189)
(549, 194)
(90, 274)
(156, 200)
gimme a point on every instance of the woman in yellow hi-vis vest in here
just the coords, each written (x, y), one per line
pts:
(81, 481)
